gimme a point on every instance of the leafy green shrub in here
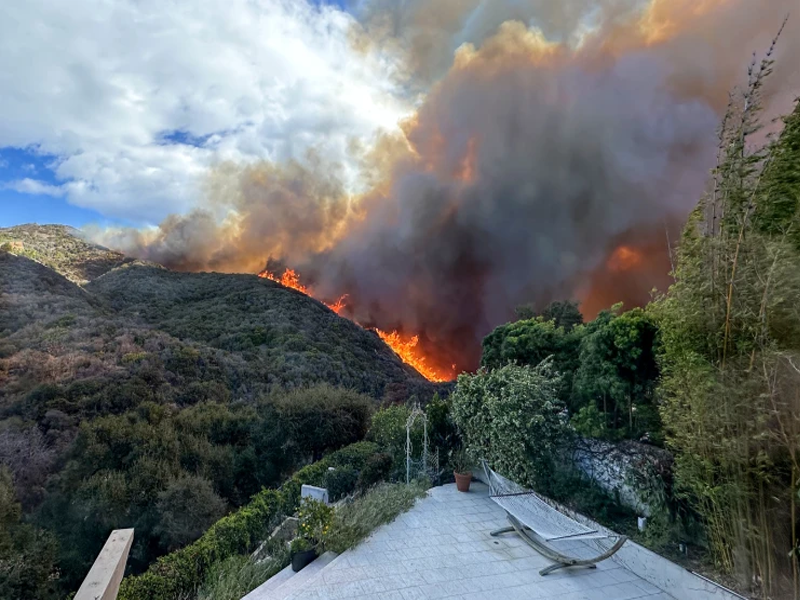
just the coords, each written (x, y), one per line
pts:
(442, 431)
(618, 373)
(27, 554)
(461, 461)
(323, 417)
(377, 468)
(389, 432)
(382, 504)
(590, 422)
(531, 342)
(300, 544)
(340, 482)
(187, 507)
(512, 417)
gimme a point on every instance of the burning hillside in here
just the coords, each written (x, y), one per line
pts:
(405, 348)
(556, 148)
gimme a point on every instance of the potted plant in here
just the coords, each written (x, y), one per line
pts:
(462, 462)
(315, 518)
(303, 553)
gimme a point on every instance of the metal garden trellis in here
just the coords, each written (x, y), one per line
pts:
(417, 412)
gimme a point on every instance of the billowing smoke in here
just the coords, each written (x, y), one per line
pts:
(557, 149)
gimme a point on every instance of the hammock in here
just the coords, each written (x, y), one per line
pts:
(538, 523)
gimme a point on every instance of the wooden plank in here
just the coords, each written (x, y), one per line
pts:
(105, 576)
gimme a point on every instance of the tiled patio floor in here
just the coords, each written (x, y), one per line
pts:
(442, 549)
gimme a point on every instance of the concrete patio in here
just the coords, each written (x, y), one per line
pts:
(441, 548)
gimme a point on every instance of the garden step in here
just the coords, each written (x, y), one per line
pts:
(273, 583)
(297, 592)
(296, 582)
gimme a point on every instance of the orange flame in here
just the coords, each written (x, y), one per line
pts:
(289, 279)
(409, 353)
(406, 349)
(338, 306)
(624, 258)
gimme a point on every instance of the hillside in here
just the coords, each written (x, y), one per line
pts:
(127, 395)
(63, 249)
(259, 334)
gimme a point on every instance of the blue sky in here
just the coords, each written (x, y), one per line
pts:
(16, 208)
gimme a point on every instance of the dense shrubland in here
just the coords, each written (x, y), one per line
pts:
(162, 401)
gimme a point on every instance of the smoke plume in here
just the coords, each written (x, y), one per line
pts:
(558, 147)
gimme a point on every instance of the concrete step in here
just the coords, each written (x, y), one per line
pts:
(273, 583)
(297, 593)
(296, 582)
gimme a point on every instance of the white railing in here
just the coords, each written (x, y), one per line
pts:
(102, 582)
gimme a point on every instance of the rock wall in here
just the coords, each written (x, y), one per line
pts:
(638, 474)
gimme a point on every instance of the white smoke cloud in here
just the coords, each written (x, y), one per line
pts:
(32, 186)
(101, 86)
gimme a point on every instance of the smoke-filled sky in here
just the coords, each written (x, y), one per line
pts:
(438, 161)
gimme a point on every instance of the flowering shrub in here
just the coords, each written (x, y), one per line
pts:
(315, 520)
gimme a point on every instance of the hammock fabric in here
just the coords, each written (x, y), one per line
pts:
(539, 523)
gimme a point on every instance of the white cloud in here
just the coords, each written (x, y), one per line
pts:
(98, 84)
(32, 186)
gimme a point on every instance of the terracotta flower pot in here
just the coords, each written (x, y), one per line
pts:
(463, 480)
(301, 560)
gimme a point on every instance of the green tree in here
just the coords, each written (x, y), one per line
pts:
(187, 507)
(324, 418)
(565, 313)
(532, 341)
(27, 554)
(618, 373)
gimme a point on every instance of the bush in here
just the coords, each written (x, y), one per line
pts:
(377, 469)
(315, 518)
(389, 432)
(382, 504)
(187, 507)
(512, 417)
(323, 418)
(340, 482)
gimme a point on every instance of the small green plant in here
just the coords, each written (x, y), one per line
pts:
(300, 544)
(461, 460)
(589, 422)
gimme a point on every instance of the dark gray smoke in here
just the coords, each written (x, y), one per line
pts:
(534, 158)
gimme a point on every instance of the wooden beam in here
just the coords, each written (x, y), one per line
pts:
(105, 576)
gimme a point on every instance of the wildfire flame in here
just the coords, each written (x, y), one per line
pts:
(409, 353)
(289, 279)
(624, 258)
(406, 349)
